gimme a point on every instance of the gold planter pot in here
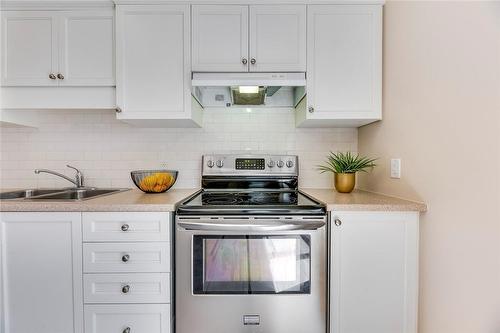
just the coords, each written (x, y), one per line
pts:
(344, 182)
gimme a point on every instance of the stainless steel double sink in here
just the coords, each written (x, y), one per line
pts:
(66, 194)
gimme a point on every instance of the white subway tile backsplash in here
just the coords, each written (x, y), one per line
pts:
(107, 149)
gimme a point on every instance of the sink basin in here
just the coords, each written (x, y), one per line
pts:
(22, 194)
(59, 194)
(76, 194)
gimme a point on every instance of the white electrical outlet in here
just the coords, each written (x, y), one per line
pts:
(395, 168)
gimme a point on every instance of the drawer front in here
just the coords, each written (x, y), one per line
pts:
(127, 318)
(126, 257)
(127, 288)
(124, 227)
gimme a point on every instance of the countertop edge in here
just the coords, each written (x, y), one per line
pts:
(361, 200)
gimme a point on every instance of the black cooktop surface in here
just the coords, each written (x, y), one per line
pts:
(250, 202)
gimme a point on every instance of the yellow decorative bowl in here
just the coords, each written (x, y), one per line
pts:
(154, 181)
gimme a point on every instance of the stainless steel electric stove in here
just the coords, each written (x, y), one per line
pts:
(250, 250)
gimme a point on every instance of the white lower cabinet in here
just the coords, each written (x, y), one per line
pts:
(127, 318)
(127, 288)
(126, 272)
(126, 257)
(41, 273)
(374, 272)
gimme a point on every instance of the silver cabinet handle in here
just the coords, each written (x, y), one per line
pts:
(126, 330)
(311, 109)
(338, 222)
(125, 289)
(244, 61)
(52, 76)
(60, 76)
(118, 110)
(125, 227)
(253, 61)
(126, 257)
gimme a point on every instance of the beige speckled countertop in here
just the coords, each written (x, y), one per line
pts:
(362, 201)
(136, 201)
(129, 201)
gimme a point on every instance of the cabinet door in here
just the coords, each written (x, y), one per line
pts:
(126, 227)
(29, 48)
(220, 38)
(153, 257)
(344, 61)
(374, 272)
(138, 318)
(87, 48)
(278, 38)
(41, 273)
(127, 288)
(153, 61)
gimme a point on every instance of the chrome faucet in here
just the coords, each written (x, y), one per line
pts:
(78, 181)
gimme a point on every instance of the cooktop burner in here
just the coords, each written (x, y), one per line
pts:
(248, 198)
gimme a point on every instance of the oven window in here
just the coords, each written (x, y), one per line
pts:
(251, 264)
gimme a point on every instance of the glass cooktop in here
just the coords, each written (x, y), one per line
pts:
(259, 202)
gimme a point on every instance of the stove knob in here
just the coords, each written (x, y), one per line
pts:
(280, 164)
(220, 163)
(210, 164)
(271, 164)
(289, 164)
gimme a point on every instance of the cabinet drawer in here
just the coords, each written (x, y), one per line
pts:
(123, 227)
(126, 257)
(138, 318)
(127, 288)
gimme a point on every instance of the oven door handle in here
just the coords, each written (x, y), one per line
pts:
(251, 227)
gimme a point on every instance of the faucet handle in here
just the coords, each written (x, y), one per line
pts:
(78, 176)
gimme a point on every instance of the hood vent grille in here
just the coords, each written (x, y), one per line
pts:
(266, 89)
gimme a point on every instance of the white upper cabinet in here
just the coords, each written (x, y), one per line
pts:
(153, 65)
(344, 65)
(29, 48)
(260, 38)
(277, 38)
(220, 38)
(58, 48)
(87, 48)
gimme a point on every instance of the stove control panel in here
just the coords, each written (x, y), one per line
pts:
(248, 165)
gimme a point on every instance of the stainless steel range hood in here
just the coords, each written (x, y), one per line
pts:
(249, 89)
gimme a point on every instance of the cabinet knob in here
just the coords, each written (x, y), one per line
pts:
(125, 227)
(125, 289)
(338, 222)
(311, 109)
(244, 61)
(118, 110)
(126, 257)
(126, 330)
(253, 61)
(60, 76)
(52, 76)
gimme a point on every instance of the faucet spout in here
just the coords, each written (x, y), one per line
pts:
(78, 181)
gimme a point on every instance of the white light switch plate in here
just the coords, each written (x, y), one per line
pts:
(395, 168)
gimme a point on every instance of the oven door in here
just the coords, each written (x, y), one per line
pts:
(251, 264)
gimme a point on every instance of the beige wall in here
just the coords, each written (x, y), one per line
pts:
(442, 117)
